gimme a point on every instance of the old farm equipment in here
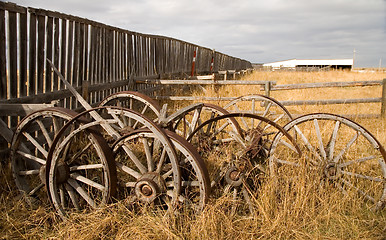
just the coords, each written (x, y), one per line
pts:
(129, 148)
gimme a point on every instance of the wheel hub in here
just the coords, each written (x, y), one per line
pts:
(62, 173)
(149, 187)
(332, 171)
(234, 177)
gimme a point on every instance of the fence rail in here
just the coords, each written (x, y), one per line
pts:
(268, 86)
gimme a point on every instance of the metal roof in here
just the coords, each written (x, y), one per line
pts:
(310, 62)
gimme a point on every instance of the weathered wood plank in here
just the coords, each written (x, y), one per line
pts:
(13, 57)
(64, 93)
(75, 63)
(86, 48)
(32, 55)
(202, 82)
(21, 109)
(326, 85)
(63, 52)
(40, 52)
(56, 49)
(48, 72)
(68, 102)
(3, 62)
(23, 54)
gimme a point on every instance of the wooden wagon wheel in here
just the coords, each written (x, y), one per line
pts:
(261, 105)
(236, 161)
(338, 151)
(31, 142)
(135, 101)
(154, 184)
(82, 161)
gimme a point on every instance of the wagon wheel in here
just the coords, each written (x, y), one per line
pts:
(339, 152)
(236, 161)
(135, 101)
(155, 184)
(261, 105)
(29, 149)
(186, 120)
(89, 168)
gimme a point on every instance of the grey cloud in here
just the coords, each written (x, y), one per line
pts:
(259, 31)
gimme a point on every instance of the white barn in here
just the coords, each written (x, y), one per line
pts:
(311, 63)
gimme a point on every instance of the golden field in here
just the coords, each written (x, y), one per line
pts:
(298, 210)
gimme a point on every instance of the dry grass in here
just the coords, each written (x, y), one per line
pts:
(286, 210)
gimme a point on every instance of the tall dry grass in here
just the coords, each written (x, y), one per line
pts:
(285, 210)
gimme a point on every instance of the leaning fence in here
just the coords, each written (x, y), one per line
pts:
(89, 54)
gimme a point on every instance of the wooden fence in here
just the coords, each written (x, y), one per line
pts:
(95, 58)
(104, 58)
(269, 86)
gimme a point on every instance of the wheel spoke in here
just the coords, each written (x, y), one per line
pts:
(37, 188)
(190, 183)
(73, 197)
(247, 199)
(195, 119)
(32, 157)
(56, 124)
(375, 179)
(288, 145)
(167, 174)
(36, 144)
(161, 160)
(29, 172)
(319, 135)
(45, 132)
(62, 197)
(348, 145)
(87, 181)
(81, 192)
(285, 162)
(359, 191)
(128, 170)
(134, 158)
(149, 158)
(77, 155)
(331, 144)
(308, 145)
(342, 165)
(120, 123)
(234, 199)
(86, 167)
(130, 184)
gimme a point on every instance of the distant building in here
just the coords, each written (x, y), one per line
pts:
(311, 64)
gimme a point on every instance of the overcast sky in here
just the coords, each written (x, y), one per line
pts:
(259, 31)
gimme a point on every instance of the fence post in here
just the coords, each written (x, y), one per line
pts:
(383, 100)
(267, 88)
